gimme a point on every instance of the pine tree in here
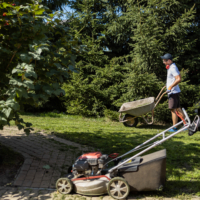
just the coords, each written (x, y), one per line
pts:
(136, 33)
(92, 90)
(55, 4)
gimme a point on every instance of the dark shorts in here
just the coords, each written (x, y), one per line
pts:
(174, 101)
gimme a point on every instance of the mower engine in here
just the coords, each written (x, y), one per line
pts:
(89, 163)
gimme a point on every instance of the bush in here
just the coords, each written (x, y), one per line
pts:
(112, 115)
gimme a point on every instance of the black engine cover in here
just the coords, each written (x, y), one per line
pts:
(81, 165)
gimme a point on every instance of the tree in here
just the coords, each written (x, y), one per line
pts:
(94, 88)
(125, 40)
(33, 66)
(55, 5)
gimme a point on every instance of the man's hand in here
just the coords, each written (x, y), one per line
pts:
(169, 89)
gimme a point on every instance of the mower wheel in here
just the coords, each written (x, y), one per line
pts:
(118, 188)
(64, 185)
(132, 122)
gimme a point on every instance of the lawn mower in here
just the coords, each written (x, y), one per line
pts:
(90, 174)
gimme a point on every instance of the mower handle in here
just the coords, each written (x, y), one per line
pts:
(154, 144)
(186, 116)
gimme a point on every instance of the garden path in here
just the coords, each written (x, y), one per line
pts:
(47, 157)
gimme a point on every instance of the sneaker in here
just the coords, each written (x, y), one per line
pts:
(173, 130)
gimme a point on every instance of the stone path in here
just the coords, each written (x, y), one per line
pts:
(47, 158)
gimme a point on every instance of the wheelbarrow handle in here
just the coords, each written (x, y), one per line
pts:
(157, 100)
(160, 99)
(160, 93)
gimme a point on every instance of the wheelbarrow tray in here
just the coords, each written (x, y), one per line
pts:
(139, 107)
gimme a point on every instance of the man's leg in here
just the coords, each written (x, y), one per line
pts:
(173, 105)
(174, 116)
(180, 112)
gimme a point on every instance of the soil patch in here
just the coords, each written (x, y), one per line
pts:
(10, 162)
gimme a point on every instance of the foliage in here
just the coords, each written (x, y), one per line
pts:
(157, 29)
(122, 61)
(89, 94)
(95, 87)
(33, 66)
(112, 115)
(55, 4)
(135, 43)
(138, 86)
(92, 90)
(53, 103)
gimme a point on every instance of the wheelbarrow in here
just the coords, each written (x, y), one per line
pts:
(139, 108)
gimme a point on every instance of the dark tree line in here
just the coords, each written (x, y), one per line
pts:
(124, 41)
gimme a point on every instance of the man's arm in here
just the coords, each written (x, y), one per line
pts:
(176, 82)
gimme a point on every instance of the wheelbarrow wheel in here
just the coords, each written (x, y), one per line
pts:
(64, 185)
(118, 188)
(132, 122)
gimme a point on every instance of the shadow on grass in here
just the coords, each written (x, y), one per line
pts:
(159, 127)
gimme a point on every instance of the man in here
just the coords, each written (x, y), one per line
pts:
(173, 79)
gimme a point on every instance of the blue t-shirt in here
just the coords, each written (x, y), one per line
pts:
(171, 73)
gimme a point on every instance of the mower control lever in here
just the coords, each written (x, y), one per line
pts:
(113, 155)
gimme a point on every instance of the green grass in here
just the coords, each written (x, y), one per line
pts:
(183, 152)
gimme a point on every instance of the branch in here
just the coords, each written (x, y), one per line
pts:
(13, 56)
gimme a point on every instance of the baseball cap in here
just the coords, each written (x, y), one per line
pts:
(167, 56)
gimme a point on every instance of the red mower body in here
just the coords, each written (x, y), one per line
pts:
(92, 155)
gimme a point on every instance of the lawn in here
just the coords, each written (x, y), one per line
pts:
(183, 151)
